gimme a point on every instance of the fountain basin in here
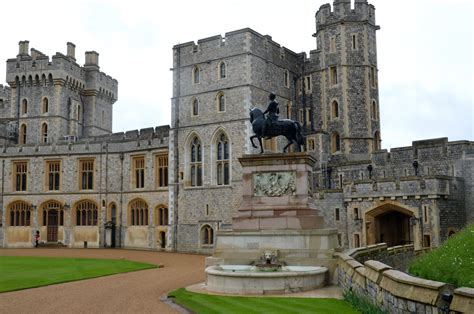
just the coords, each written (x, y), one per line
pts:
(246, 280)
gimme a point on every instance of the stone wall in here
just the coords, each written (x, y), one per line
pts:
(398, 292)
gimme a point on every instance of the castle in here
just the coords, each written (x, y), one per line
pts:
(171, 188)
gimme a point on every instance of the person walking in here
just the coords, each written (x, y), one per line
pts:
(37, 237)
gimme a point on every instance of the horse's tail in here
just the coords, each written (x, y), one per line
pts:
(299, 136)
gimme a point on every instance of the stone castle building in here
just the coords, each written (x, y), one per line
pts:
(64, 173)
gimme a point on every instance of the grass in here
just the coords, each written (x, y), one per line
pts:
(453, 262)
(18, 273)
(362, 304)
(203, 303)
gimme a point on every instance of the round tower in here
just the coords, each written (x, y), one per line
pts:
(348, 57)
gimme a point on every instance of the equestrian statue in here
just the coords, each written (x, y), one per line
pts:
(270, 126)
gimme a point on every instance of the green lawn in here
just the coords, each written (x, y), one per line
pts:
(202, 303)
(453, 262)
(18, 273)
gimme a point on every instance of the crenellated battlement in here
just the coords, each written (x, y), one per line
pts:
(342, 11)
(430, 150)
(244, 40)
(38, 68)
(122, 142)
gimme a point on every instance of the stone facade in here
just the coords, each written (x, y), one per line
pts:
(426, 190)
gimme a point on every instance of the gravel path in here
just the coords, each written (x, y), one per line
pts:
(136, 292)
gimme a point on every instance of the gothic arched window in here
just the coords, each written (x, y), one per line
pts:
(196, 162)
(222, 160)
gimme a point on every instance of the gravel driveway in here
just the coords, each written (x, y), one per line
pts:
(136, 292)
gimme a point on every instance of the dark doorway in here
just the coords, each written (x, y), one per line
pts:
(163, 239)
(394, 228)
(52, 226)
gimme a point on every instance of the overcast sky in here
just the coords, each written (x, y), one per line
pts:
(425, 52)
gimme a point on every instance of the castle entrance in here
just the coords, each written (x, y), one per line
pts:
(52, 227)
(389, 224)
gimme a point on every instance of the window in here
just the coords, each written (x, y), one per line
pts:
(301, 116)
(425, 213)
(308, 117)
(339, 239)
(333, 75)
(207, 236)
(356, 240)
(335, 143)
(426, 240)
(86, 214)
(196, 163)
(373, 110)
(195, 107)
(20, 172)
(377, 140)
(45, 108)
(356, 213)
(138, 172)
(2, 105)
(286, 79)
(53, 169)
(20, 214)
(161, 165)
(270, 144)
(310, 144)
(220, 99)
(372, 77)
(223, 160)
(53, 214)
(332, 44)
(79, 112)
(335, 110)
(337, 214)
(138, 213)
(222, 70)
(24, 106)
(308, 86)
(22, 137)
(196, 75)
(87, 174)
(354, 42)
(288, 109)
(103, 117)
(162, 216)
(44, 133)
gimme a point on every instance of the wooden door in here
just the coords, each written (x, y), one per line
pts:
(52, 226)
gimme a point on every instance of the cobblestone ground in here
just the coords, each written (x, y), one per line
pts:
(135, 292)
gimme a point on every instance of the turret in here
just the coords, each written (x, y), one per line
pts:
(347, 44)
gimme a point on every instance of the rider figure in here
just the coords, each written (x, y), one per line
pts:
(272, 116)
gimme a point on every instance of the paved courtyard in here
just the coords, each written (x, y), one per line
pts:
(135, 292)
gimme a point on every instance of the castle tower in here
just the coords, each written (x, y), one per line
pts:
(57, 98)
(347, 57)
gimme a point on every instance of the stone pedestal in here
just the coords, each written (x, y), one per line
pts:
(277, 213)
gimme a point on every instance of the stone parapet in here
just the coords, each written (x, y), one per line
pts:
(398, 292)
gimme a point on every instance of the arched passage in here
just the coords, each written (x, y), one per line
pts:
(389, 223)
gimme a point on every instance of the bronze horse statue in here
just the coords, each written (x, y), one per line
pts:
(286, 127)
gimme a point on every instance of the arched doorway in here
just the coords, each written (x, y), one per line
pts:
(163, 239)
(390, 224)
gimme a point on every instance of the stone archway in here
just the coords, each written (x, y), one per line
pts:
(389, 223)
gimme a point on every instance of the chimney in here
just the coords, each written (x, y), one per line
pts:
(23, 47)
(71, 51)
(92, 58)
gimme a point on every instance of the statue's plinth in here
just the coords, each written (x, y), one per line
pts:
(277, 193)
(277, 213)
